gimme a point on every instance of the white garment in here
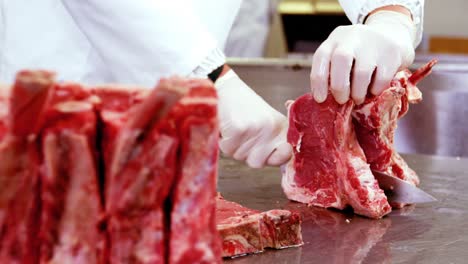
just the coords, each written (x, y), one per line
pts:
(124, 41)
(357, 11)
(249, 32)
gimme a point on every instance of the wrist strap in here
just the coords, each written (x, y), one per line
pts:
(214, 75)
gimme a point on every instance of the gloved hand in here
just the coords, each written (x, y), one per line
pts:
(346, 61)
(251, 129)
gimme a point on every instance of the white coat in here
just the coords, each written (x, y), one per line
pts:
(122, 41)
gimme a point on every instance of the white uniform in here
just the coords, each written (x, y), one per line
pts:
(126, 41)
(250, 29)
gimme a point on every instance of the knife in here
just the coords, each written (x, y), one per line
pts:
(400, 191)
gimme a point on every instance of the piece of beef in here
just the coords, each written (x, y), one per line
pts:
(376, 121)
(71, 204)
(281, 229)
(147, 158)
(4, 110)
(244, 231)
(19, 168)
(194, 238)
(328, 168)
(239, 228)
(316, 173)
(140, 147)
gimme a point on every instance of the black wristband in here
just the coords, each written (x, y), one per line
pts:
(214, 75)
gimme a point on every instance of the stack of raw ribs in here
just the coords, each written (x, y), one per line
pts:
(114, 174)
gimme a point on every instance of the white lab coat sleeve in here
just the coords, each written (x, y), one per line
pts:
(357, 11)
(142, 41)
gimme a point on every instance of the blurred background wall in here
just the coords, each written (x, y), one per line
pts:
(295, 28)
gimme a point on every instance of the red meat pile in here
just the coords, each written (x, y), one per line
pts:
(108, 174)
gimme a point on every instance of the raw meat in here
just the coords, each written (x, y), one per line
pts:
(194, 238)
(140, 146)
(4, 106)
(376, 121)
(329, 168)
(70, 197)
(19, 168)
(142, 134)
(245, 231)
(108, 174)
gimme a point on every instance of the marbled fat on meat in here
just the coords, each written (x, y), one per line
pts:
(140, 147)
(331, 153)
(71, 206)
(20, 166)
(329, 168)
(194, 238)
(108, 174)
(376, 121)
(245, 231)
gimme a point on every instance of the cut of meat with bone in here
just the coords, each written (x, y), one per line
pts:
(376, 121)
(19, 172)
(70, 197)
(111, 174)
(281, 229)
(142, 145)
(29, 97)
(126, 115)
(332, 155)
(244, 231)
(239, 228)
(194, 238)
(19, 168)
(136, 218)
(329, 168)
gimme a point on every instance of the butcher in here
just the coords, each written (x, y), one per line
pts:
(137, 42)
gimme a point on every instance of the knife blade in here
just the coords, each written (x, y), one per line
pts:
(400, 191)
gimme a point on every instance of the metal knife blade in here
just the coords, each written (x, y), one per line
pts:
(400, 191)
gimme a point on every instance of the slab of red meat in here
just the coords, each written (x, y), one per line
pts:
(329, 168)
(4, 109)
(245, 231)
(376, 121)
(194, 238)
(19, 168)
(70, 196)
(147, 158)
(140, 145)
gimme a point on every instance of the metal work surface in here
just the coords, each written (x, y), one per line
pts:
(436, 126)
(427, 233)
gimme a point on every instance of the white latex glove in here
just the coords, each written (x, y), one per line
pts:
(346, 61)
(251, 129)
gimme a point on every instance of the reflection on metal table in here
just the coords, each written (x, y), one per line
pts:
(428, 233)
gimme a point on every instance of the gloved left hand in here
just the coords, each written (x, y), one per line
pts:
(360, 58)
(251, 129)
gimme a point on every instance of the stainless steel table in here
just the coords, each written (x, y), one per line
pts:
(429, 233)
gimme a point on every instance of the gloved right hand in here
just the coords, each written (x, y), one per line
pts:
(251, 129)
(360, 58)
